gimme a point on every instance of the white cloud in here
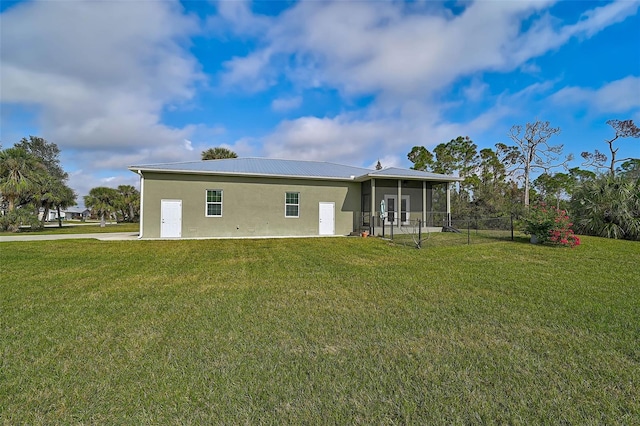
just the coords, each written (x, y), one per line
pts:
(245, 147)
(100, 73)
(388, 135)
(543, 36)
(358, 140)
(403, 51)
(476, 90)
(618, 96)
(249, 73)
(286, 104)
(236, 17)
(188, 145)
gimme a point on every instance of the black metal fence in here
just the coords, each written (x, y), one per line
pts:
(472, 230)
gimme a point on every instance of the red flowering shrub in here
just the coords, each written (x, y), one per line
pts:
(550, 224)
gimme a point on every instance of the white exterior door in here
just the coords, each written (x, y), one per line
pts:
(171, 219)
(327, 219)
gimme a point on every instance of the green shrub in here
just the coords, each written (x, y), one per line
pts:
(13, 220)
(550, 224)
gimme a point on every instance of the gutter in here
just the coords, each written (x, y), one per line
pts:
(250, 175)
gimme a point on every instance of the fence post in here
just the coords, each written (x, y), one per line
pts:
(419, 233)
(511, 226)
(372, 225)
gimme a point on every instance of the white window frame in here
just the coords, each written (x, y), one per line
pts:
(207, 202)
(286, 204)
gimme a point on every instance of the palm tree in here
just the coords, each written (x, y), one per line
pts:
(218, 153)
(608, 206)
(20, 175)
(128, 202)
(101, 200)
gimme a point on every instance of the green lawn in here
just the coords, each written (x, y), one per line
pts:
(318, 331)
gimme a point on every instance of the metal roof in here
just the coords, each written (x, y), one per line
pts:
(398, 173)
(268, 167)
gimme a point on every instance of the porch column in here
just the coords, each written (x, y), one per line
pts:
(373, 199)
(448, 203)
(399, 203)
(424, 201)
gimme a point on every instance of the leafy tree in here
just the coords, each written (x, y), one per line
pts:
(102, 201)
(421, 158)
(608, 206)
(554, 187)
(623, 129)
(580, 176)
(630, 169)
(532, 151)
(218, 153)
(490, 188)
(47, 153)
(458, 155)
(53, 191)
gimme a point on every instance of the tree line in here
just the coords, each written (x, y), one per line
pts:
(603, 197)
(121, 203)
(33, 182)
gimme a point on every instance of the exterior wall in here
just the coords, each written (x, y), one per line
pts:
(251, 207)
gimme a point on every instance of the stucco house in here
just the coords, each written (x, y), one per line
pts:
(260, 197)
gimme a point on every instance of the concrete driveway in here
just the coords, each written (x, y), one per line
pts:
(107, 236)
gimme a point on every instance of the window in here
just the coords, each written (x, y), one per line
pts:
(292, 204)
(214, 202)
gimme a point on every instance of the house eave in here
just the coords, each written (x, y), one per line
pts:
(418, 178)
(239, 174)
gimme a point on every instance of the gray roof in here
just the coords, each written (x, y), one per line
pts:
(398, 173)
(287, 168)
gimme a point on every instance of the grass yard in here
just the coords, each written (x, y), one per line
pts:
(436, 239)
(318, 331)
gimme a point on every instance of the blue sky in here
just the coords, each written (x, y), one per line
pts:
(118, 83)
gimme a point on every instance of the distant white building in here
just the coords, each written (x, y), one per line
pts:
(69, 214)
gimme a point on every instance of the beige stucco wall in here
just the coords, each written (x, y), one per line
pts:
(251, 206)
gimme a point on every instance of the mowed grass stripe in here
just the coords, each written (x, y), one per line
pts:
(343, 330)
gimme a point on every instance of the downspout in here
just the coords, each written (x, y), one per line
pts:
(141, 203)
(424, 201)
